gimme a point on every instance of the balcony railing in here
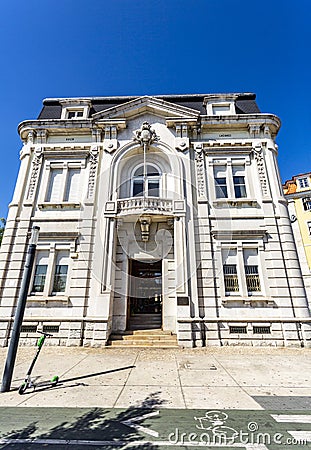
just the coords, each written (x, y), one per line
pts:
(144, 204)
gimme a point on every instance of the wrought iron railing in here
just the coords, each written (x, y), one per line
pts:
(231, 278)
(252, 279)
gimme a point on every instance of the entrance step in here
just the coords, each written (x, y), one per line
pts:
(143, 338)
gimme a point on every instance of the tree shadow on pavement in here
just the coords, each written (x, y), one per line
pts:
(111, 428)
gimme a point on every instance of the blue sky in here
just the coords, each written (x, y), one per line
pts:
(63, 48)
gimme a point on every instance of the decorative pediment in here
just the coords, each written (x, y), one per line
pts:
(150, 105)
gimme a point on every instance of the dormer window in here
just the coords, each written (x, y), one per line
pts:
(220, 104)
(75, 108)
(75, 114)
(221, 109)
(303, 182)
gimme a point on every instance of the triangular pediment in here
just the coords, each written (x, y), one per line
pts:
(152, 105)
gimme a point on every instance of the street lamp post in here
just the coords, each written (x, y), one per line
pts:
(20, 309)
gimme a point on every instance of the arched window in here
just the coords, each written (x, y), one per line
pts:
(150, 185)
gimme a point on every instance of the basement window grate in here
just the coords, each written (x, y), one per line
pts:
(237, 330)
(50, 328)
(261, 330)
(29, 329)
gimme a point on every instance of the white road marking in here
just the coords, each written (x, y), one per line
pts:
(126, 443)
(301, 436)
(293, 418)
(131, 423)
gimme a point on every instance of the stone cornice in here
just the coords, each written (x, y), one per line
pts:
(242, 121)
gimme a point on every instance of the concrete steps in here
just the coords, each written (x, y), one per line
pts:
(143, 338)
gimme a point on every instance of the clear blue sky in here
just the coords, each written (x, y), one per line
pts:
(63, 48)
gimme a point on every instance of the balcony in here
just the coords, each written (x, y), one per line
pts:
(144, 205)
(138, 205)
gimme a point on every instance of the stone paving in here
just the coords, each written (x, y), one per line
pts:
(208, 378)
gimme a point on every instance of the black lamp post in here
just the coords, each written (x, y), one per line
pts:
(20, 309)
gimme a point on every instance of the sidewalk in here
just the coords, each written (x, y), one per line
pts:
(213, 378)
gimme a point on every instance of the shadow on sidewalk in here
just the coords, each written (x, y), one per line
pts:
(61, 383)
(96, 428)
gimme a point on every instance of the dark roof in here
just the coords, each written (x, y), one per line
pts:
(245, 104)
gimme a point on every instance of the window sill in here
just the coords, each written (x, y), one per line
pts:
(235, 202)
(35, 298)
(249, 301)
(58, 206)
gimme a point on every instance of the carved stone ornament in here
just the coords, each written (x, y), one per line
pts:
(200, 169)
(36, 164)
(261, 170)
(93, 171)
(110, 140)
(146, 136)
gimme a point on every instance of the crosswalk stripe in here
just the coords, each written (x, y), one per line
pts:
(292, 418)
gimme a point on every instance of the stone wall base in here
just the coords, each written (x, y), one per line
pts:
(201, 333)
(69, 333)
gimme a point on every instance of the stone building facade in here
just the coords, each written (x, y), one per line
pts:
(154, 212)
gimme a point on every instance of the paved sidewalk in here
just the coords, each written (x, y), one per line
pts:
(209, 378)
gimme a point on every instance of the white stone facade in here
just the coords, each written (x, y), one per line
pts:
(185, 188)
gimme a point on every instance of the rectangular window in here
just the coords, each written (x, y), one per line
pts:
(153, 188)
(64, 185)
(72, 190)
(238, 173)
(74, 114)
(40, 271)
(138, 188)
(231, 278)
(54, 192)
(306, 203)
(220, 182)
(303, 182)
(309, 227)
(251, 269)
(229, 257)
(220, 110)
(61, 270)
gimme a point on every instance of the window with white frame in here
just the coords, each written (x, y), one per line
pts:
(64, 184)
(147, 183)
(309, 227)
(51, 272)
(75, 113)
(250, 256)
(303, 182)
(241, 271)
(306, 202)
(230, 180)
(41, 266)
(60, 272)
(221, 109)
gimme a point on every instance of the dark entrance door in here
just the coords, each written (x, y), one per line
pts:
(145, 300)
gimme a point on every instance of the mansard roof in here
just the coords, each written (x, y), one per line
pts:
(245, 103)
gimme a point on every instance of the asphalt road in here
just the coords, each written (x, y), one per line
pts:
(148, 428)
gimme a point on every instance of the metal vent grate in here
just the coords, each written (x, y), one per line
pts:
(261, 330)
(237, 330)
(29, 329)
(50, 328)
